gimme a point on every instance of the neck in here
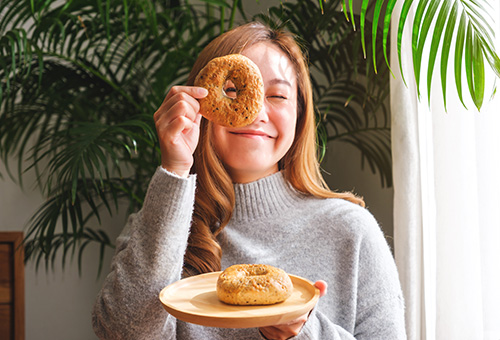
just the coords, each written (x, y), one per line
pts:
(264, 197)
(248, 176)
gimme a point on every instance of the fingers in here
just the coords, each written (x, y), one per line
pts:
(177, 123)
(180, 100)
(293, 327)
(192, 91)
(322, 286)
(284, 331)
(178, 112)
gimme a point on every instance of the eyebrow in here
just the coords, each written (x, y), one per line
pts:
(279, 81)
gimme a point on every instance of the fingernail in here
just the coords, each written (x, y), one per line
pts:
(202, 91)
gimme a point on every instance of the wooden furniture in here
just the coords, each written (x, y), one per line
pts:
(11, 286)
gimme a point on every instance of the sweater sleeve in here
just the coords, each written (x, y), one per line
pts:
(379, 312)
(149, 255)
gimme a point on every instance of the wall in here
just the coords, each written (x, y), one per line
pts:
(59, 302)
(350, 177)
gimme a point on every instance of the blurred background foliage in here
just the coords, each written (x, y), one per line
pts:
(80, 81)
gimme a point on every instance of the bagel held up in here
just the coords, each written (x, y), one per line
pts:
(218, 107)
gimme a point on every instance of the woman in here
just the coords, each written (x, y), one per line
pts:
(225, 196)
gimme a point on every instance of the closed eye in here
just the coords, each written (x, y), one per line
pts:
(230, 92)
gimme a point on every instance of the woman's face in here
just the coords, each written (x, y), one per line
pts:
(253, 152)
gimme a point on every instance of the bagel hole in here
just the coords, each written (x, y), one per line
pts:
(229, 90)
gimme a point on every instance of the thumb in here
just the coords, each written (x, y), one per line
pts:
(322, 286)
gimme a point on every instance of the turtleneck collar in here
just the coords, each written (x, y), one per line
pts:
(265, 197)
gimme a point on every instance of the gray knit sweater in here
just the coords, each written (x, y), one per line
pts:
(328, 239)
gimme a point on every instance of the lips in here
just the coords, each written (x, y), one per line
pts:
(251, 133)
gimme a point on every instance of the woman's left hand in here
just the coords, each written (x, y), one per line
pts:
(292, 328)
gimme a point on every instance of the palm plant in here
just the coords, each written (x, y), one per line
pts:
(439, 23)
(80, 81)
(350, 97)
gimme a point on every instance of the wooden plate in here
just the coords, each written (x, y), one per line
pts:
(194, 300)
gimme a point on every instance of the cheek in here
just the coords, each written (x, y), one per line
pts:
(288, 141)
(218, 138)
(287, 128)
(223, 146)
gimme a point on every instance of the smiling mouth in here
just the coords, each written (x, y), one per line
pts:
(251, 134)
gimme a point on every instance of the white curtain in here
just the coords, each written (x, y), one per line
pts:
(446, 206)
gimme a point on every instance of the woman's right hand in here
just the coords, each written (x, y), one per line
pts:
(178, 127)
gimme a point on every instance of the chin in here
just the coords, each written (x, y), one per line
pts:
(247, 175)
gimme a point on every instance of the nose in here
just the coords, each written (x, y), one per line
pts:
(263, 115)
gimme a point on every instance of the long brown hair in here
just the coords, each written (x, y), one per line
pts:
(215, 199)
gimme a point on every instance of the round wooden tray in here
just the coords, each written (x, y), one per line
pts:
(194, 300)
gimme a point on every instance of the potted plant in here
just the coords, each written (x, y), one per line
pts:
(80, 81)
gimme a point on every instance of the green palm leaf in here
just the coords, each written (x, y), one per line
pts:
(446, 50)
(473, 36)
(79, 81)
(350, 107)
(78, 84)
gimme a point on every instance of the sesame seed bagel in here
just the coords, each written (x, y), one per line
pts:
(253, 284)
(222, 109)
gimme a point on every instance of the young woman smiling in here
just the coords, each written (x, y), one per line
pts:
(225, 196)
